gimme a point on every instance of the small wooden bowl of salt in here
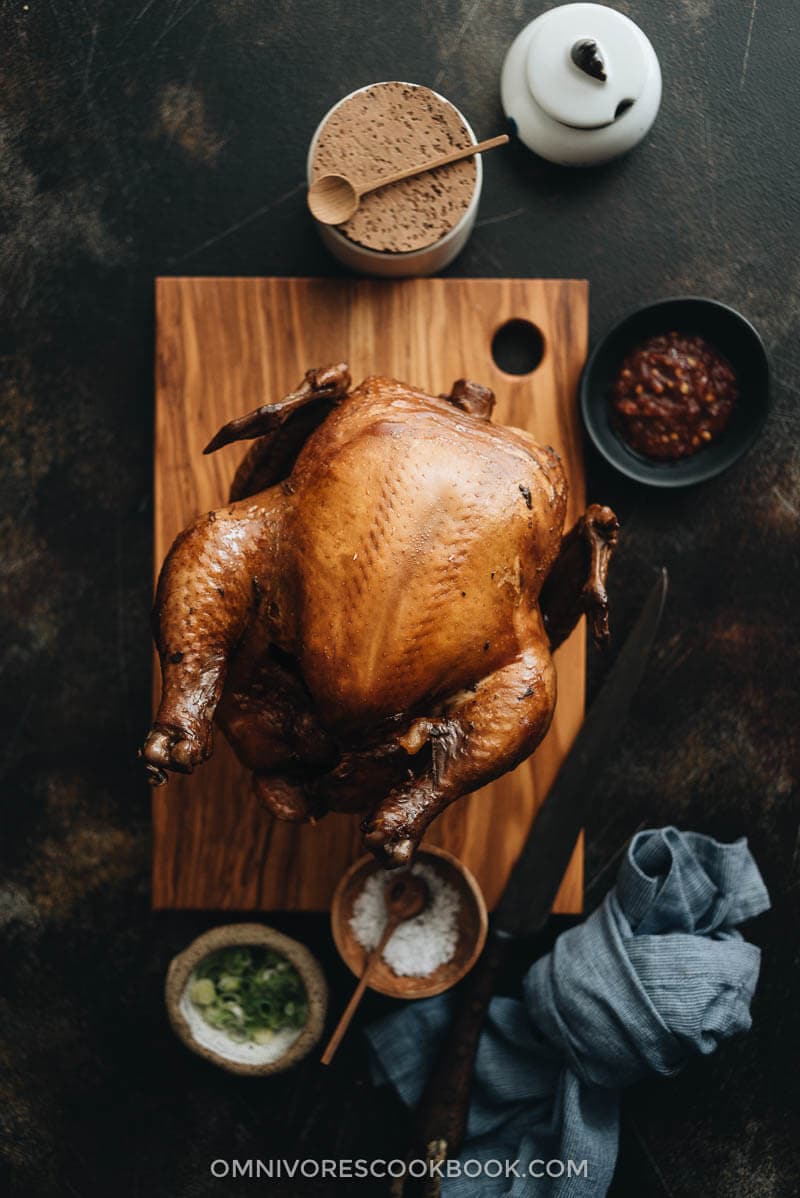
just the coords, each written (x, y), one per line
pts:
(425, 955)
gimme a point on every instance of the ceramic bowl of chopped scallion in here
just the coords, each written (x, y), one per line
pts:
(247, 998)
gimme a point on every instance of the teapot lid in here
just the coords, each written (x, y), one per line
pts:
(586, 64)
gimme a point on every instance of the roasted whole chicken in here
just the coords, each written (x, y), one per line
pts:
(371, 618)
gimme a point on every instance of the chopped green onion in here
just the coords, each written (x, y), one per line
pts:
(250, 993)
(202, 992)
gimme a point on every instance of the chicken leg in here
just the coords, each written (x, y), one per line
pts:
(204, 601)
(482, 735)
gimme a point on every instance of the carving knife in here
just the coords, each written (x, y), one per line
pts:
(525, 904)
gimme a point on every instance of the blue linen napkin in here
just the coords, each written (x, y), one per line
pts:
(657, 973)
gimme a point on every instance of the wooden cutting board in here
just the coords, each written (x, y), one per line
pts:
(225, 346)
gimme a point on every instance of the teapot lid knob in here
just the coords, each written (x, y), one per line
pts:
(587, 57)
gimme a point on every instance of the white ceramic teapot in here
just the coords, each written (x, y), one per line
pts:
(581, 84)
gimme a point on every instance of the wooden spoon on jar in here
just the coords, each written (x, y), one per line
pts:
(405, 898)
(333, 199)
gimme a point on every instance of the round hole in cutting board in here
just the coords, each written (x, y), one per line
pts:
(517, 346)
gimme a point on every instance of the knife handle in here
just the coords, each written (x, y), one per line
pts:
(441, 1118)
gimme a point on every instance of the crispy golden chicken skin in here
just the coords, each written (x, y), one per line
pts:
(371, 618)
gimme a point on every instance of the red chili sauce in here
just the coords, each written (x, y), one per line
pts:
(673, 396)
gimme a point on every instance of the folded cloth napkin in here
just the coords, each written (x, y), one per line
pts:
(655, 974)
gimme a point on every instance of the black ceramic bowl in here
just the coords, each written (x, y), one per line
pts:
(725, 329)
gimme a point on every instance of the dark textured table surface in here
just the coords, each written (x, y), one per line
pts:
(169, 136)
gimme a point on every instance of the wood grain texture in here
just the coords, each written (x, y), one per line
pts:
(223, 347)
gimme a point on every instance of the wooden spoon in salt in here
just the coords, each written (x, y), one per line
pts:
(405, 898)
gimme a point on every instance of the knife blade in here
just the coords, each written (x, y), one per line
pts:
(528, 896)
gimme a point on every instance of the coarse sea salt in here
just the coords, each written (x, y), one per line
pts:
(418, 945)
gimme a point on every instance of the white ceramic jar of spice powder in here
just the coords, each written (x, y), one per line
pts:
(415, 227)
